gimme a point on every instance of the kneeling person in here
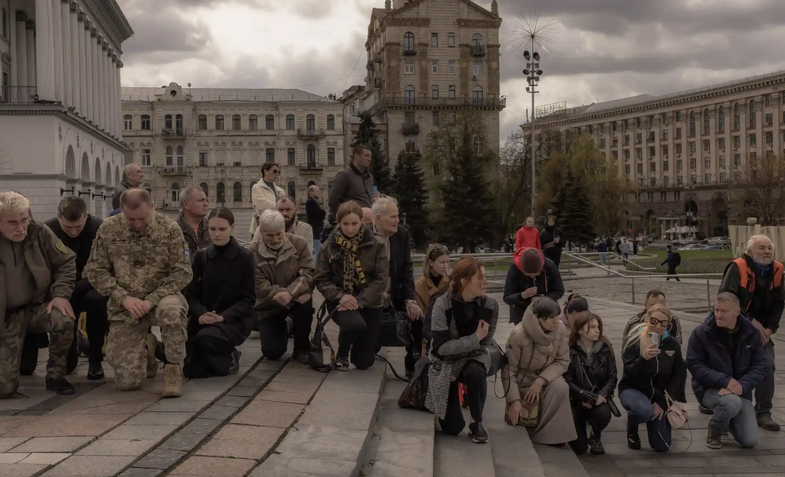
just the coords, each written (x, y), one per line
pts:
(37, 276)
(284, 286)
(727, 361)
(220, 301)
(141, 262)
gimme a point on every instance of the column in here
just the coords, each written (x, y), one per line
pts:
(83, 106)
(65, 39)
(20, 55)
(88, 68)
(119, 89)
(94, 75)
(44, 50)
(30, 36)
(115, 96)
(57, 50)
(102, 76)
(76, 32)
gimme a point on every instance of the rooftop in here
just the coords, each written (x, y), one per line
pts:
(226, 94)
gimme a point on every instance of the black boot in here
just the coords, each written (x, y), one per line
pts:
(633, 439)
(234, 368)
(478, 433)
(95, 372)
(60, 386)
(595, 445)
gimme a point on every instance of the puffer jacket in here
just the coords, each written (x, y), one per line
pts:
(533, 353)
(653, 377)
(291, 269)
(596, 373)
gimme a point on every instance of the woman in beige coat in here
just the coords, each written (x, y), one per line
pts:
(538, 355)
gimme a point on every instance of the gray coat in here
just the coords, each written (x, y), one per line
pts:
(124, 186)
(351, 184)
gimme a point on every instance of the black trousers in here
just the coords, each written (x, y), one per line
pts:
(597, 417)
(672, 271)
(274, 332)
(84, 299)
(554, 254)
(208, 353)
(473, 375)
(414, 350)
(359, 333)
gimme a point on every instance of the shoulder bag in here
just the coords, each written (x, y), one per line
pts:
(530, 415)
(676, 414)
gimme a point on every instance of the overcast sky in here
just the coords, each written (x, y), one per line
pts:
(601, 49)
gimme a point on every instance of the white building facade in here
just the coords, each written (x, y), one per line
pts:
(218, 139)
(60, 127)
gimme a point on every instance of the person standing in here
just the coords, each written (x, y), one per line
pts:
(528, 236)
(552, 240)
(192, 220)
(38, 273)
(602, 250)
(141, 262)
(354, 183)
(132, 178)
(756, 280)
(633, 326)
(624, 249)
(220, 301)
(265, 193)
(288, 208)
(531, 275)
(316, 215)
(673, 260)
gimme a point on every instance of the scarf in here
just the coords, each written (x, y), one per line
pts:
(353, 275)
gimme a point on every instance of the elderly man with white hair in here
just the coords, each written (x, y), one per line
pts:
(37, 278)
(756, 279)
(284, 287)
(132, 178)
(400, 284)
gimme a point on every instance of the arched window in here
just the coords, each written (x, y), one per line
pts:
(269, 122)
(752, 114)
(70, 163)
(180, 158)
(85, 168)
(238, 192)
(146, 125)
(692, 123)
(236, 122)
(168, 121)
(330, 122)
(220, 192)
(219, 122)
(721, 120)
(310, 122)
(252, 122)
(98, 176)
(169, 156)
(108, 169)
(175, 193)
(736, 117)
(408, 95)
(477, 95)
(476, 39)
(291, 189)
(311, 156)
(179, 126)
(128, 122)
(203, 122)
(408, 41)
(116, 176)
(706, 122)
(290, 122)
(205, 188)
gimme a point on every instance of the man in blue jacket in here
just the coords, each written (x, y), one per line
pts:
(727, 361)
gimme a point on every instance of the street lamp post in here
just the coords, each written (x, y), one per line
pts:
(532, 73)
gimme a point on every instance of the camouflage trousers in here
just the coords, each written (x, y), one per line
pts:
(126, 347)
(34, 319)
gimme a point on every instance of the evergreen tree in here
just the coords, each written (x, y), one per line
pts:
(574, 210)
(409, 190)
(380, 164)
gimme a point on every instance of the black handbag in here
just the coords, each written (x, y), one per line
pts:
(316, 353)
(498, 358)
(394, 331)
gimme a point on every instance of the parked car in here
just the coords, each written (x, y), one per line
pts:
(695, 246)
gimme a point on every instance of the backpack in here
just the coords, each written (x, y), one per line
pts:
(677, 259)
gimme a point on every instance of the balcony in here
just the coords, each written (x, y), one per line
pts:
(310, 134)
(477, 50)
(177, 133)
(18, 94)
(171, 170)
(410, 129)
(409, 51)
(401, 102)
(311, 169)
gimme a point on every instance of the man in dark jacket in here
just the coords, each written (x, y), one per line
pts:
(355, 182)
(315, 214)
(530, 276)
(194, 207)
(757, 280)
(672, 260)
(132, 178)
(727, 361)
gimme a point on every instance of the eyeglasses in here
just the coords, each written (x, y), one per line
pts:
(277, 172)
(663, 323)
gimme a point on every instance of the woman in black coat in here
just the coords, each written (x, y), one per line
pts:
(552, 240)
(592, 378)
(220, 301)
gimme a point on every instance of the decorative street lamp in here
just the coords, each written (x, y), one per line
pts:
(532, 73)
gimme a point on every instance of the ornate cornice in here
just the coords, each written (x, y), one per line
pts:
(110, 17)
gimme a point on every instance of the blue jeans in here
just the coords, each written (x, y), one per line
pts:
(317, 245)
(732, 413)
(603, 257)
(640, 410)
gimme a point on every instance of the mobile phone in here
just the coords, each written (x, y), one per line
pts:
(654, 339)
(375, 189)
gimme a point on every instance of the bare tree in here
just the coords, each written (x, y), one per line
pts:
(758, 190)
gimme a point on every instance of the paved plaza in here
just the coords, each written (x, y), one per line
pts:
(282, 419)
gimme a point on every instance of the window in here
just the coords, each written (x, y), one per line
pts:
(638, 123)
(706, 122)
(678, 115)
(202, 122)
(678, 133)
(477, 95)
(238, 192)
(169, 156)
(722, 161)
(179, 125)
(146, 157)
(736, 117)
(451, 93)
(269, 122)
(769, 138)
(706, 146)
(269, 155)
(692, 124)
(694, 179)
(767, 100)
(434, 67)
(180, 158)
(665, 166)
(219, 122)
(146, 125)
(451, 39)
(721, 144)
(652, 167)
(202, 159)
(665, 181)
(128, 122)
(692, 147)
(602, 143)
(168, 121)
(253, 124)
(290, 122)
(408, 95)
(707, 179)
(693, 164)
(220, 157)
(408, 118)
(311, 156)
(678, 165)
(678, 148)
(291, 189)
(707, 163)
(753, 140)
(753, 122)
(639, 169)
(205, 188)
(626, 154)
(652, 151)
(310, 122)
(721, 120)
(627, 169)
(436, 118)
(723, 177)
(451, 67)
(408, 67)
(736, 142)
(476, 39)
(291, 157)
(769, 119)
(435, 91)
(175, 193)
(477, 68)
(679, 180)
(664, 134)
(236, 122)
(220, 192)
(330, 156)
(408, 41)
(330, 122)
(665, 151)
(434, 39)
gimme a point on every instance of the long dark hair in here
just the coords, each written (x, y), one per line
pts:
(585, 318)
(222, 213)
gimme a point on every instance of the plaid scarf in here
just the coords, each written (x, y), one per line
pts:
(353, 275)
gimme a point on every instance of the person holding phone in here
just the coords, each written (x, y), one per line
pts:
(653, 367)
(530, 277)
(552, 239)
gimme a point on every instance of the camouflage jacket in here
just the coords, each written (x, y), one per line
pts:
(149, 265)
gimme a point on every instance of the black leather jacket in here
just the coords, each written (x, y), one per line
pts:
(596, 374)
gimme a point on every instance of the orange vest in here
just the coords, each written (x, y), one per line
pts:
(747, 276)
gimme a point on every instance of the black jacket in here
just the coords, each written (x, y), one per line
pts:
(351, 184)
(316, 214)
(709, 360)
(764, 305)
(124, 186)
(597, 375)
(546, 237)
(548, 284)
(672, 260)
(401, 269)
(81, 245)
(665, 372)
(224, 283)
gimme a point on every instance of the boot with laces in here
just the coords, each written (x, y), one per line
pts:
(173, 381)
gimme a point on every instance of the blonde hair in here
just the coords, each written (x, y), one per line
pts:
(271, 221)
(645, 327)
(15, 202)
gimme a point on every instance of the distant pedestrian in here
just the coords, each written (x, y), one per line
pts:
(602, 249)
(316, 215)
(265, 193)
(673, 260)
(624, 249)
(552, 239)
(528, 236)
(635, 246)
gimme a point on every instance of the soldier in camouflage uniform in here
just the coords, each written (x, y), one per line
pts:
(37, 276)
(141, 262)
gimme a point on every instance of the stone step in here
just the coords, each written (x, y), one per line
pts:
(512, 450)
(560, 461)
(458, 456)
